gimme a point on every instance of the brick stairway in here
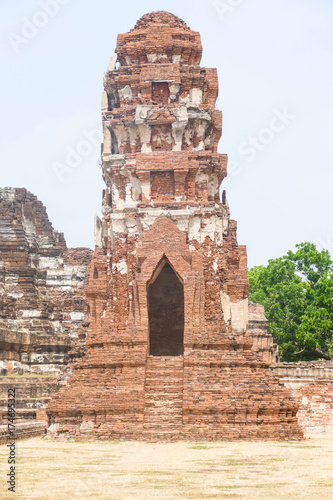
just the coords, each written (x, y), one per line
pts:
(32, 394)
(163, 398)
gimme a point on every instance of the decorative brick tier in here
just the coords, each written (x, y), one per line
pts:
(167, 354)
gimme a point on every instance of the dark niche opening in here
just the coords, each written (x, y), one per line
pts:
(166, 313)
(114, 143)
(112, 101)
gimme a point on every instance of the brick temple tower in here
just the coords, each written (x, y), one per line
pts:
(168, 356)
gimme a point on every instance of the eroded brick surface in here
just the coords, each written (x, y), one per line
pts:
(263, 342)
(43, 313)
(311, 383)
(162, 216)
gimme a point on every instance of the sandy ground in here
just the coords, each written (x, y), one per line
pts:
(131, 470)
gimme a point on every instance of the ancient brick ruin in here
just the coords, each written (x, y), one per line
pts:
(263, 343)
(43, 313)
(168, 356)
(311, 384)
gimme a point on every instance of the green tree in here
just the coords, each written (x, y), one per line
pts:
(297, 293)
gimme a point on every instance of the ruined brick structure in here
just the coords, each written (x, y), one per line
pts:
(311, 384)
(168, 356)
(43, 314)
(263, 343)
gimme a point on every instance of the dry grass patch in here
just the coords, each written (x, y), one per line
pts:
(107, 470)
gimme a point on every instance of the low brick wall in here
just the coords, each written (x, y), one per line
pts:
(22, 431)
(311, 384)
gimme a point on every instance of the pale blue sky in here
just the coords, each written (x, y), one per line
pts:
(274, 61)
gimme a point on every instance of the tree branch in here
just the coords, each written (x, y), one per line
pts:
(320, 353)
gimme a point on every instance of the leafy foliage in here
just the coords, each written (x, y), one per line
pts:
(297, 293)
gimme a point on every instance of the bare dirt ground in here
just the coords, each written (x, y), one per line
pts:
(131, 470)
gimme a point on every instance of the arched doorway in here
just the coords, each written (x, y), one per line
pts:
(166, 312)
